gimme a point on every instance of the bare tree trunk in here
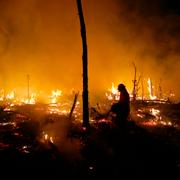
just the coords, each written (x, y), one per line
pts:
(134, 83)
(142, 85)
(85, 66)
(28, 94)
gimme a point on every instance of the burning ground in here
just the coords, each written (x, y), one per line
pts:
(38, 141)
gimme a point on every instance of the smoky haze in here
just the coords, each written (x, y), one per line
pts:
(42, 38)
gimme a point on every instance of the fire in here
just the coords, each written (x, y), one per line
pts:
(157, 120)
(31, 100)
(113, 93)
(47, 138)
(54, 106)
(17, 100)
(150, 89)
(149, 123)
(11, 95)
(55, 94)
(141, 115)
(113, 89)
(51, 139)
(54, 109)
(155, 112)
(13, 98)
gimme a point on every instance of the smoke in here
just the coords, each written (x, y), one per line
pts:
(42, 38)
(140, 32)
(59, 129)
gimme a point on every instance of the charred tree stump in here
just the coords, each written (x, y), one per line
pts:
(74, 105)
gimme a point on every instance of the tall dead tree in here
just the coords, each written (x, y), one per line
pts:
(28, 94)
(85, 66)
(135, 83)
(142, 86)
(160, 94)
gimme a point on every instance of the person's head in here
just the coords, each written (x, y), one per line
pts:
(121, 87)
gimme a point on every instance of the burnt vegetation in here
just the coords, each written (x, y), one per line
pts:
(101, 150)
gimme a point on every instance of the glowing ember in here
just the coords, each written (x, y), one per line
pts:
(24, 149)
(155, 112)
(84, 128)
(149, 123)
(8, 123)
(141, 115)
(51, 139)
(48, 138)
(156, 123)
(53, 109)
(57, 109)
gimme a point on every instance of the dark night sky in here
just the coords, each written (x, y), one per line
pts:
(42, 38)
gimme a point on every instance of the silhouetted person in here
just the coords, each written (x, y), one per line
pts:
(122, 108)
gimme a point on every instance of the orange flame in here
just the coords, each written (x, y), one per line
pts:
(55, 94)
(150, 89)
(113, 93)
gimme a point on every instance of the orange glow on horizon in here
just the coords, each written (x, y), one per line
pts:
(44, 41)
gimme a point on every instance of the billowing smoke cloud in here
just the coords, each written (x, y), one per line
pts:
(42, 38)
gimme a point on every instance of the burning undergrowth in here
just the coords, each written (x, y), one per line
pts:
(156, 114)
(32, 135)
(35, 137)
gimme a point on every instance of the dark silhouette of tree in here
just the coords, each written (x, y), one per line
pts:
(85, 66)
